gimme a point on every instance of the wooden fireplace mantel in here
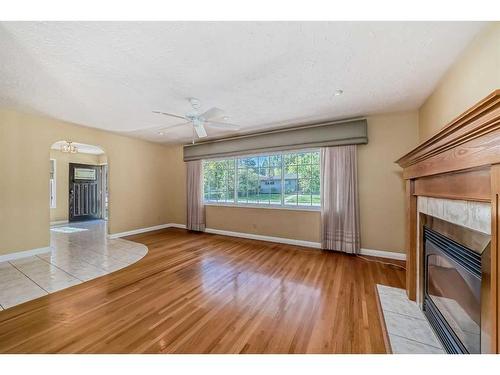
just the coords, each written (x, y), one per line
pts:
(471, 140)
(461, 161)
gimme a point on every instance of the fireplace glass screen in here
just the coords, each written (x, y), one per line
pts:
(456, 295)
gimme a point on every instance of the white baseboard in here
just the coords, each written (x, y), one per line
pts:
(138, 231)
(288, 241)
(174, 225)
(58, 222)
(315, 245)
(383, 254)
(24, 254)
(259, 237)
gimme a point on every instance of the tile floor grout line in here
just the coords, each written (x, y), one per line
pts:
(29, 278)
(82, 260)
(79, 241)
(112, 257)
(409, 316)
(59, 268)
(420, 342)
(93, 265)
(423, 319)
(99, 268)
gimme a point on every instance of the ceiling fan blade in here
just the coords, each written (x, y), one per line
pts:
(212, 113)
(222, 125)
(170, 114)
(200, 130)
(168, 128)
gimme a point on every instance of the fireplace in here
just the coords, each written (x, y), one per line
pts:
(456, 285)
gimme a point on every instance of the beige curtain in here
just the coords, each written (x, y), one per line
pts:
(339, 199)
(195, 206)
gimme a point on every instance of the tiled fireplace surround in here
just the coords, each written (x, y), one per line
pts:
(408, 330)
(468, 214)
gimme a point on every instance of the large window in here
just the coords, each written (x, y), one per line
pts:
(289, 179)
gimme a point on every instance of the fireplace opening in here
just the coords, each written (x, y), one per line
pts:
(455, 290)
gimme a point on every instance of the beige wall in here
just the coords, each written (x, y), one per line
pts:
(381, 185)
(147, 185)
(285, 223)
(381, 192)
(60, 212)
(474, 75)
(138, 178)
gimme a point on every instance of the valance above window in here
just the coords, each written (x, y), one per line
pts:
(348, 132)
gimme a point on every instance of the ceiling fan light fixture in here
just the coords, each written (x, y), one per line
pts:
(211, 118)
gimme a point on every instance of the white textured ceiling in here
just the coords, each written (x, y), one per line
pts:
(111, 75)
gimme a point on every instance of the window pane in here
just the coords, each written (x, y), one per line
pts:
(264, 172)
(254, 171)
(275, 160)
(218, 176)
(242, 185)
(304, 171)
(264, 198)
(315, 184)
(291, 190)
(290, 199)
(290, 171)
(316, 201)
(290, 159)
(315, 157)
(242, 196)
(248, 162)
(304, 158)
(214, 196)
(253, 189)
(275, 198)
(304, 200)
(263, 161)
(305, 186)
(228, 196)
(291, 185)
(230, 180)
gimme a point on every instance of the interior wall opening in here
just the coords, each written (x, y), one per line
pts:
(78, 183)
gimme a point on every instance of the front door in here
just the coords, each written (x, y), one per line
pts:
(84, 192)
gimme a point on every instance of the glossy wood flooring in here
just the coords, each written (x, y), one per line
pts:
(202, 293)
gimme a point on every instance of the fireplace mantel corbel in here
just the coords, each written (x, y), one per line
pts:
(461, 161)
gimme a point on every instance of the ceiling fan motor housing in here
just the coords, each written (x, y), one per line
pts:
(195, 103)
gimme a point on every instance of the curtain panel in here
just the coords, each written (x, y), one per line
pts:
(195, 205)
(340, 229)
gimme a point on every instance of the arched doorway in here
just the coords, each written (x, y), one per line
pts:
(78, 185)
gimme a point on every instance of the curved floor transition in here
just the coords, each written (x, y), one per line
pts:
(79, 252)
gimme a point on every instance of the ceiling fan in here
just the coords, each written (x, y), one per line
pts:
(214, 117)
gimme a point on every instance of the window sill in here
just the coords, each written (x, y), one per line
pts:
(289, 208)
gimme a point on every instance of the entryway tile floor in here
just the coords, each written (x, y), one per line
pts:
(78, 252)
(408, 329)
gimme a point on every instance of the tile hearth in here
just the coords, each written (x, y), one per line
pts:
(408, 330)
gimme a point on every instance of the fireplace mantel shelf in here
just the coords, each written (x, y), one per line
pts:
(461, 162)
(471, 140)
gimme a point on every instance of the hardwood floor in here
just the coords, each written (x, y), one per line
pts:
(203, 293)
